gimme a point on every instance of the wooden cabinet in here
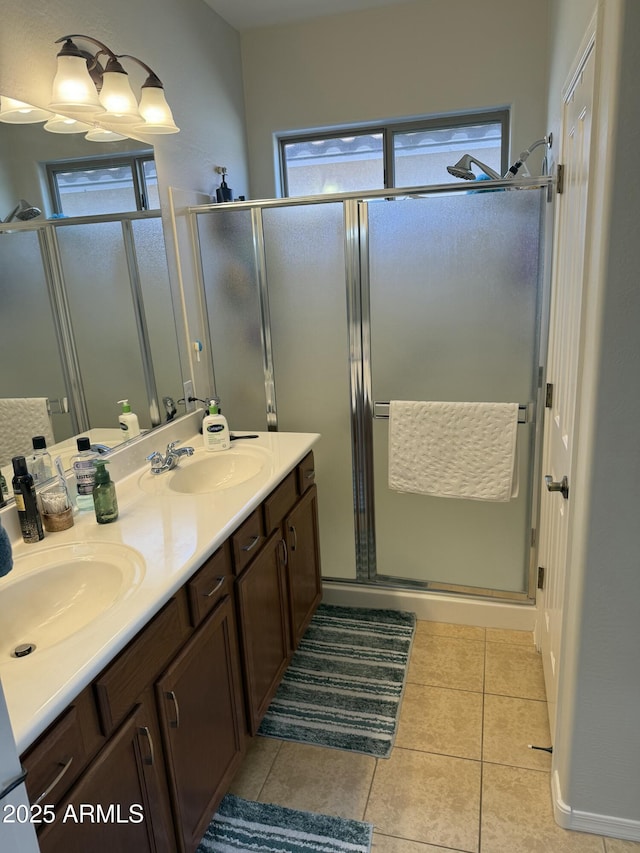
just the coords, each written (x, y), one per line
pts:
(143, 756)
(303, 562)
(201, 716)
(120, 804)
(261, 596)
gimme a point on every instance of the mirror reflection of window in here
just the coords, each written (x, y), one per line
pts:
(114, 185)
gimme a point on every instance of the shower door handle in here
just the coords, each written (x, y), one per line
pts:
(555, 486)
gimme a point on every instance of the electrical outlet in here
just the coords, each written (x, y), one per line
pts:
(189, 406)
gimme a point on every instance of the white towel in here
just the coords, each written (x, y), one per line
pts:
(20, 419)
(454, 450)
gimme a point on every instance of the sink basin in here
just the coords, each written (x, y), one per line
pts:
(56, 592)
(205, 472)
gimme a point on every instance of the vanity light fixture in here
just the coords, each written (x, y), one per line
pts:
(65, 124)
(101, 134)
(83, 86)
(17, 112)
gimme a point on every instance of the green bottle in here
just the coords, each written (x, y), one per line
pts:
(104, 495)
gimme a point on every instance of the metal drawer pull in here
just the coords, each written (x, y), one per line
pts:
(50, 788)
(310, 474)
(254, 542)
(555, 486)
(171, 695)
(294, 544)
(216, 587)
(144, 730)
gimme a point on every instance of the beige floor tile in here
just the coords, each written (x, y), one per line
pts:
(447, 662)
(424, 797)
(503, 635)
(509, 726)
(255, 768)
(517, 815)
(315, 779)
(388, 844)
(448, 629)
(514, 670)
(436, 719)
(617, 845)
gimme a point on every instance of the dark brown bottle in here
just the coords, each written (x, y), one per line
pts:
(26, 504)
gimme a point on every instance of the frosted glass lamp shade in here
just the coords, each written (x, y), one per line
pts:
(118, 99)
(64, 124)
(156, 112)
(17, 112)
(73, 88)
(101, 134)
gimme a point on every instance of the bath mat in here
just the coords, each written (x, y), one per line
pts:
(345, 682)
(243, 825)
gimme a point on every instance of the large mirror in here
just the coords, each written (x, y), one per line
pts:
(86, 315)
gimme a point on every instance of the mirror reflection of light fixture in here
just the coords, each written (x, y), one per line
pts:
(65, 124)
(17, 112)
(83, 85)
(101, 134)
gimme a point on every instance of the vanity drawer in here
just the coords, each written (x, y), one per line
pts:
(119, 686)
(279, 502)
(247, 540)
(63, 751)
(306, 473)
(210, 584)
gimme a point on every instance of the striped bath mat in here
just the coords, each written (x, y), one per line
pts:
(344, 684)
(242, 825)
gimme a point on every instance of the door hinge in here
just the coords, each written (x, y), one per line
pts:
(548, 396)
(559, 179)
(540, 577)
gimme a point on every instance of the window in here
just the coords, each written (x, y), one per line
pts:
(406, 154)
(104, 185)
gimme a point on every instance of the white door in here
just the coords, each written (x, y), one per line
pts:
(563, 364)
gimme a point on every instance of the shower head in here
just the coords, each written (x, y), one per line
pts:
(462, 169)
(23, 211)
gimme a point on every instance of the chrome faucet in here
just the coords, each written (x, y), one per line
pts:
(160, 463)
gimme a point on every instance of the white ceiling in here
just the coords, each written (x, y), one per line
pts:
(248, 14)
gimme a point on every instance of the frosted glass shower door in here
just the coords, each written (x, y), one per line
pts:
(454, 304)
(308, 306)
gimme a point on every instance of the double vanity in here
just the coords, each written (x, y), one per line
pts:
(138, 657)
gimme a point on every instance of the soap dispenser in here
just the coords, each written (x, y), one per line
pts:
(128, 421)
(104, 495)
(215, 430)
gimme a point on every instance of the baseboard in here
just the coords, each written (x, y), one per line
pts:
(435, 607)
(597, 824)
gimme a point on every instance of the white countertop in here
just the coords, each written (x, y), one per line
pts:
(174, 534)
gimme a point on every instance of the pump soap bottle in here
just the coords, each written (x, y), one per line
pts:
(104, 495)
(215, 430)
(25, 494)
(128, 421)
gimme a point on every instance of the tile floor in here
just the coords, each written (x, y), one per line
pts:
(460, 777)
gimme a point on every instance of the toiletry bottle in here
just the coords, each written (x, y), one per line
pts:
(104, 495)
(4, 491)
(85, 473)
(215, 430)
(25, 494)
(40, 464)
(128, 421)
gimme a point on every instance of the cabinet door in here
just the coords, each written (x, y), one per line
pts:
(303, 563)
(120, 804)
(264, 627)
(202, 720)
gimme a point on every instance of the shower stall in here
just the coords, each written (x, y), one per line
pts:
(322, 310)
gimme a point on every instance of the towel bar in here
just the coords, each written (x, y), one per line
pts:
(523, 412)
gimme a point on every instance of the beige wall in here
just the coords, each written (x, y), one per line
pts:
(410, 59)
